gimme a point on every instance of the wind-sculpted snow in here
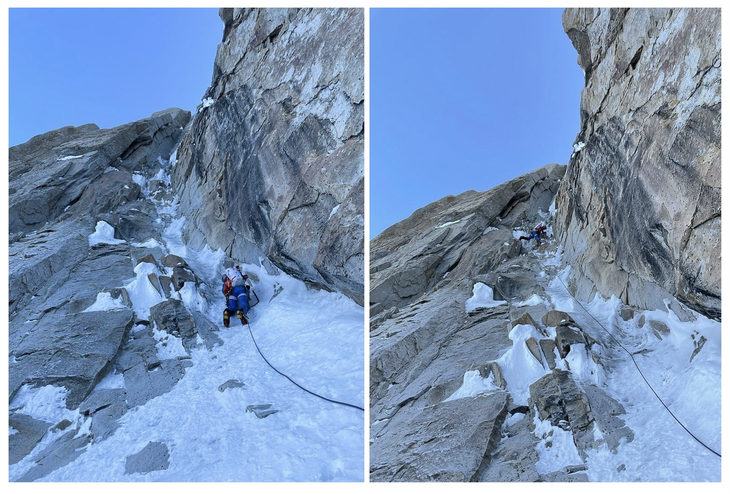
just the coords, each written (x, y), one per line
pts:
(121, 369)
(315, 337)
(487, 341)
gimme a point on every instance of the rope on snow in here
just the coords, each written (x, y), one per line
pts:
(292, 381)
(640, 372)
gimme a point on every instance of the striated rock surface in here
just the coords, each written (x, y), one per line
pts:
(462, 312)
(414, 256)
(272, 163)
(68, 172)
(71, 322)
(471, 366)
(639, 211)
(55, 273)
(446, 447)
(425, 340)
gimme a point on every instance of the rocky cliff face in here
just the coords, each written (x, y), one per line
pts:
(639, 211)
(272, 163)
(484, 366)
(421, 253)
(427, 340)
(61, 184)
(64, 173)
(88, 208)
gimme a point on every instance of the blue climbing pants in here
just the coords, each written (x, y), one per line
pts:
(238, 299)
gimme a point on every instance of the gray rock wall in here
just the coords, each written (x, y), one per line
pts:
(413, 256)
(422, 340)
(61, 184)
(639, 211)
(67, 172)
(272, 164)
(430, 347)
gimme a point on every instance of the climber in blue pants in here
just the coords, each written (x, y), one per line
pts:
(236, 288)
(539, 230)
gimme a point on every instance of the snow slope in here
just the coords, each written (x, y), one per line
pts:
(662, 450)
(315, 337)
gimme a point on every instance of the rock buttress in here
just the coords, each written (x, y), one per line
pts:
(639, 211)
(272, 164)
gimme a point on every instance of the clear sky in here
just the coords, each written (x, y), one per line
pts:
(465, 99)
(106, 66)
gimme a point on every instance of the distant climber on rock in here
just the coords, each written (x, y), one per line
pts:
(538, 232)
(236, 288)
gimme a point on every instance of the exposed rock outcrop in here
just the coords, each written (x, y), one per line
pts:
(423, 339)
(154, 456)
(414, 256)
(444, 448)
(639, 211)
(55, 273)
(29, 432)
(272, 164)
(463, 312)
(100, 311)
(68, 172)
(71, 318)
(467, 354)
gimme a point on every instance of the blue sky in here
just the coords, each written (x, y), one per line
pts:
(465, 99)
(106, 66)
(459, 98)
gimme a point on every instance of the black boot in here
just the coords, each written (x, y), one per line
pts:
(226, 318)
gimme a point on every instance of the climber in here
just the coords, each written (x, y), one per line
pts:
(236, 288)
(539, 231)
